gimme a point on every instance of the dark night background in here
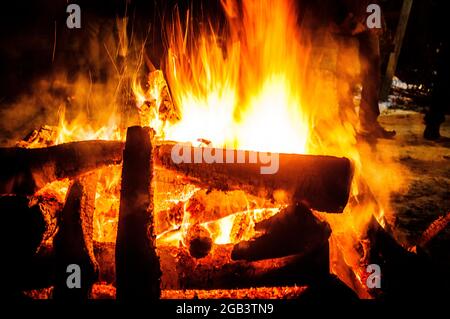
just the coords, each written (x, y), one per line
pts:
(28, 27)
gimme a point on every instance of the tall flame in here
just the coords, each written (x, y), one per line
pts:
(247, 92)
(256, 83)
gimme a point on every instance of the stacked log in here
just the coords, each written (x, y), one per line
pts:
(137, 264)
(73, 244)
(321, 183)
(24, 171)
(294, 230)
(21, 236)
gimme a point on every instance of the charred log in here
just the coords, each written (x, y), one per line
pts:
(293, 231)
(414, 276)
(321, 182)
(73, 243)
(137, 264)
(24, 227)
(24, 171)
(217, 271)
(199, 241)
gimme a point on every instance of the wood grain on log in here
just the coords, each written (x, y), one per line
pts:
(320, 182)
(137, 264)
(24, 171)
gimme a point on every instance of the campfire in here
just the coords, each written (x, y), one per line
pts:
(232, 174)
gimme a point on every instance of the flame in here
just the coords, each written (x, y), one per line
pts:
(77, 130)
(259, 85)
(255, 84)
(230, 94)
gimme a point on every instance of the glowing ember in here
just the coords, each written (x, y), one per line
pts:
(253, 85)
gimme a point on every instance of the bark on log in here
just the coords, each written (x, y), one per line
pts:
(293, 231)
(320, 182)
(24, 171)
(73, 243)
(137, 264)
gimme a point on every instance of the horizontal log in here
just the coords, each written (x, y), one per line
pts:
(217, 271)
(293, 231)
(24, 171)
(320, 182)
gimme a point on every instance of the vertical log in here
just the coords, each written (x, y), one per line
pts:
(73, 243)
(22, 231)
(137, 264)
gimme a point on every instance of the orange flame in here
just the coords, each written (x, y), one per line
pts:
(257, 85)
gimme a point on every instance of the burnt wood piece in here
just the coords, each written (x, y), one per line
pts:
(293, 231)
(24, 227)
(413, 276)
(320, 182)
(217, 271)
(73, 244)
(24, 171)
(137, 264)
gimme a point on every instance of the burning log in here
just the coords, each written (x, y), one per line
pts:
(295, 230)
(199, 241)
(206, 206)
(414, 276)
(73, 243)
(217, 271)
(209, 205)
(137, 265)
(21, 236)
(320, 182)
(24, 171)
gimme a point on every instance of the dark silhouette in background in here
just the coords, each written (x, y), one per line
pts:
(350, 19)
(424, 60)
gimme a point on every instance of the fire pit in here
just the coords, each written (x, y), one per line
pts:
(230, 173)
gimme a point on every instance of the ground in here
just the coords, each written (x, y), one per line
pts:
(428, 191)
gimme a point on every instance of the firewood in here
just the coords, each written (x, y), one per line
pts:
(413, 276)
(24, 171)
(295, 230)
(433, 230)
(217, 271)
(320, 182)
(24, 227)
(167, 219)
(198, 241)
(205, 205)
(137, 264)
(73, 244)
(105, 255)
